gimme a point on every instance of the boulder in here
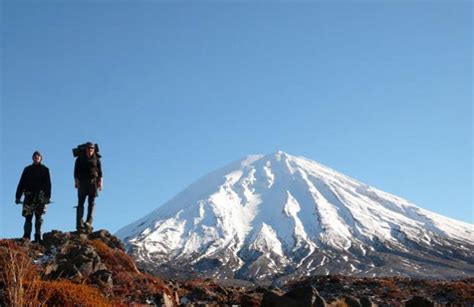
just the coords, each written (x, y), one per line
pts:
(306, 296)
(418, 301)
(367, 302)
(107, 238)
(102, 278)
(272, 298)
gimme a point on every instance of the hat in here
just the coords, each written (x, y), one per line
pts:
(37, 153)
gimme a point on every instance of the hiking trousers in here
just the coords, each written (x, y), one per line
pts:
(87, 189)
(30, 210)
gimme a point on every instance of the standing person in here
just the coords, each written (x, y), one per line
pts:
(35, 184)
(87, 179)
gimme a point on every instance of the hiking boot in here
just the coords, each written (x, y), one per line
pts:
(79, 220)
(88, 228)
(38, 239)
(80, 226)
(81, 230)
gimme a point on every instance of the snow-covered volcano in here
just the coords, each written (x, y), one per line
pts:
(276, 217)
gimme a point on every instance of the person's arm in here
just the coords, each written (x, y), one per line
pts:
(21, 186)
(76, 173)
(47, 184)
(100, 183)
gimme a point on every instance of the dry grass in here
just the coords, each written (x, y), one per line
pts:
(19, 277)
(129, 283)
(114, 258)
(66, 293)
(22, 284)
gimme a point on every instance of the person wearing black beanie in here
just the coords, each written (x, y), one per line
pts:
(35, 185)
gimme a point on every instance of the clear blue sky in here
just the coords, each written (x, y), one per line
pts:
(379, 91)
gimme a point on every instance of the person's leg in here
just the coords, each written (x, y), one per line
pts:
(80, 209)
(39, 211)
(91, 205)
(28, 226)
(27, 212)
(90, 209)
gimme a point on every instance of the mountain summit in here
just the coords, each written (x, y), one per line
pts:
(276, 217)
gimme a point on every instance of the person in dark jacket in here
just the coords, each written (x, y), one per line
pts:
(35, 184)
(88, 180)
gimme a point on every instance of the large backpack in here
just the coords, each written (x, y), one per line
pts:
(80, 150)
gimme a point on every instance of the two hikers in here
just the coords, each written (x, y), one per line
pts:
(35, 185)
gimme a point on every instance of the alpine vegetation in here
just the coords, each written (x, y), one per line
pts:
(272, 218)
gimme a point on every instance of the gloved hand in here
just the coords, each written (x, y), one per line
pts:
(17, 201)
(76, 183)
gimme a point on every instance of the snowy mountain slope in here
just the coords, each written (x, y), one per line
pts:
(277, 217)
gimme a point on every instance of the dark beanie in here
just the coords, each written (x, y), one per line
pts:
(37, 153)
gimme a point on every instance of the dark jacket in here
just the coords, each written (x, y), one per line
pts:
(34, 178)
(87, 168)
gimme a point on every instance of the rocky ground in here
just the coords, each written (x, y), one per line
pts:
(94, 270)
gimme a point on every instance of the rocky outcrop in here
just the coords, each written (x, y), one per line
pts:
(98, 261)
